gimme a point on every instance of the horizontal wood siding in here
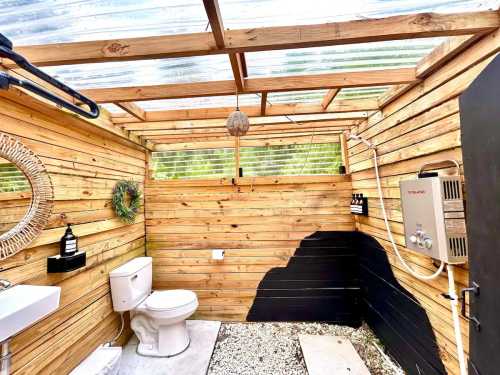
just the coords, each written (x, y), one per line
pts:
(258, 223)
(84, 163)
(420, 126)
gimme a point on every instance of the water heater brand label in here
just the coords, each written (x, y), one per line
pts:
(415, 192)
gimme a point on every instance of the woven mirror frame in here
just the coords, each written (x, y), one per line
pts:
(42, 196)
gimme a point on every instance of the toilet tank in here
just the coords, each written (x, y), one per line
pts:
(131, 283)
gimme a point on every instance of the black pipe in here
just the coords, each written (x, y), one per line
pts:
(6, 80)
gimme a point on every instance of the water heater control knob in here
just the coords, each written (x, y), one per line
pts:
(413, 238)
(428, 243)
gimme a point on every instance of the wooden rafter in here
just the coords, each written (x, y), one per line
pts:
(254, 129)
(438, 57)
(338, 106)
(262, 39)
(263, 103)
(254, 85)
(132, 109)
(214, 17)
(305, 120)
(213, 13)
(443, 53)
(243, 64)
(329, 96)
(237, 67)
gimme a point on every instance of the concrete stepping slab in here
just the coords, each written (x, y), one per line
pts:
(331, 355)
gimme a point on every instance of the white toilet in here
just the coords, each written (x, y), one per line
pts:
(158, 318)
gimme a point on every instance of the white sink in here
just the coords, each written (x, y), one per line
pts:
(23, 305)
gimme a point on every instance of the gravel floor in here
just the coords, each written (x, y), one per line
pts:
(273, 348)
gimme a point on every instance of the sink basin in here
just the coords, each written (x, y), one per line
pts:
(23, 305)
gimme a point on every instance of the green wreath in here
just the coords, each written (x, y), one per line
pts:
(124, 212)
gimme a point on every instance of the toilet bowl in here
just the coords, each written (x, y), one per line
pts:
(160, 322)
(158, 318)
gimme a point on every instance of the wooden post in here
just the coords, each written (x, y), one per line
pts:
(345, 155)
(149, 166)
(237, 159)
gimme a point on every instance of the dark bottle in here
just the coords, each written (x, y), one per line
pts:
(353, 200)
(68, 243)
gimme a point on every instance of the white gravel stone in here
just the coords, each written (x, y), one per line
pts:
(274, 349)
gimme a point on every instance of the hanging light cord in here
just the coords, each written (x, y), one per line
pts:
(296, 123)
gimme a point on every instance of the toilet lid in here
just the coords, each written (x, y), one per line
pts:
(169, 299)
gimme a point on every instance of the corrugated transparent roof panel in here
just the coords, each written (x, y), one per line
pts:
(201, 102)
(144, 72)
(310, 96)
(361, 92)
(54, 21)
(261, 13)
(51, 21)
(350, 57)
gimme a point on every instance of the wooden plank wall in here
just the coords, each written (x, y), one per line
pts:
(420, 126)
(258, 223)
(84, 163)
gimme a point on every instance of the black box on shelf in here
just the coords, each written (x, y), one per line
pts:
(58, 263)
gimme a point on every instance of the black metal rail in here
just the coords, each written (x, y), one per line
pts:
(6, 80)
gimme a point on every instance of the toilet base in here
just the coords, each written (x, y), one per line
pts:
(172, 340)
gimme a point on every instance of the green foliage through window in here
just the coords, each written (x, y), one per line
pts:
(210, 163)
(287, 160)
(12, 179)
(291, 160)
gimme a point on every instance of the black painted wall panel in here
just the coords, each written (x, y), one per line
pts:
(320, 283)
(345, 278)
(394, 314)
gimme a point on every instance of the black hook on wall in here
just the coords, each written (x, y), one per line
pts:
(6, 80)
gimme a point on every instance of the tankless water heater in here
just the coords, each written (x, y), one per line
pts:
(434, 219)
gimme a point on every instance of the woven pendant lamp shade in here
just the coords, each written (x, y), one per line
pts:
(237, 123)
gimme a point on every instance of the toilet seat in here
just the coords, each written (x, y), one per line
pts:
(167, 300)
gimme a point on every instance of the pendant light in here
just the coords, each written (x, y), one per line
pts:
(237, 123)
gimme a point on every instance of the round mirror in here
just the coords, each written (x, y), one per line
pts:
(15, 195)
(26, 196)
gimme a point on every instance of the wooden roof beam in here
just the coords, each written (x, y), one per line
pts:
(263, 103)
(133, 109)
(257, 129)
(338, 106)
(254, 85)
(344, 117)
(214, 17)
(437, 58)
(263, 39)
(443, 53)
(237, 68)
(330, 95)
